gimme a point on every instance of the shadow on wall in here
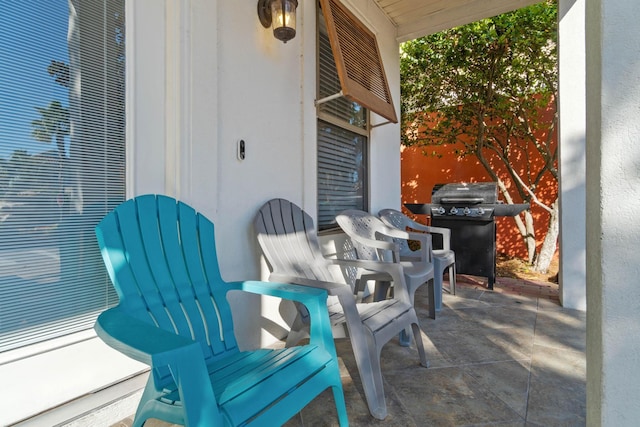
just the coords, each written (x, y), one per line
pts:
(423, 167)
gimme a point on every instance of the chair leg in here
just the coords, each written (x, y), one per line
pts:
(147, 406)
(370, 374)
(341, 406)
(437, 282)
(452, 279)
(432, 298)
(367, 359)
(338, 396)
(375, 399)
(299, 330)
(381, 291)
(405, 338)
(417, 333)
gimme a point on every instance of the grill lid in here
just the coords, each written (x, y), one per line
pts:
(485, 193)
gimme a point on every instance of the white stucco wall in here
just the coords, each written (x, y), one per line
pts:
(613, 198)
(572, 136)
(217, 77)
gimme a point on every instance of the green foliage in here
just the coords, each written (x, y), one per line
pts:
(483, 84)
(488, 73)
(60, 72)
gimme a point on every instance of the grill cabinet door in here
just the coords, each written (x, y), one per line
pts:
(474, 243)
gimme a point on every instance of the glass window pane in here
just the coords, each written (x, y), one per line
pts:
(341, 173)
(62, 142)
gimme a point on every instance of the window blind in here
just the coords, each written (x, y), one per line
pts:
(341, 172)
(342, 142)
(62, 162)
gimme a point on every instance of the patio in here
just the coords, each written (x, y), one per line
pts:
(510, 357)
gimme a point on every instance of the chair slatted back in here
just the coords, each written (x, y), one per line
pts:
(161, 257)
(289, 241)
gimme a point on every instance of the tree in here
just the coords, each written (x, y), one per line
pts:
(52, 124)
(481, 87)
(60, 72)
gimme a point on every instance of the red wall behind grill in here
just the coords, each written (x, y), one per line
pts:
(420, 171)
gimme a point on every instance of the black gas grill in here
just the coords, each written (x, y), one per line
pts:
(469, 210)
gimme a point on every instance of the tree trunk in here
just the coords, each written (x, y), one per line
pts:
(526, 227)
(530, 236)
(550, 242)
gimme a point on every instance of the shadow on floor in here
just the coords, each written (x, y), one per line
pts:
(507, 357)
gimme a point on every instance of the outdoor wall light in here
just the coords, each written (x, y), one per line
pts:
(281, 15)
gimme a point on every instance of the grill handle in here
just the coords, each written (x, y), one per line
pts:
(460, 201)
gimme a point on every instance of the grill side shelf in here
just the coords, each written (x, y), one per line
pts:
(510, 210)
(420, 208)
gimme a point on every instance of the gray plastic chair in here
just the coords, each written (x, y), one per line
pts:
(290, 245)
(443, 259)
(374, 240)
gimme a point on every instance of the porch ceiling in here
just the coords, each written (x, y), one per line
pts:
(417, 18)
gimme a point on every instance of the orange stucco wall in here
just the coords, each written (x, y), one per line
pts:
(420, 170)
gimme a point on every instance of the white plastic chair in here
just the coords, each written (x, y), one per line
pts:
(443, 259)
(374, 240)
(290, 245)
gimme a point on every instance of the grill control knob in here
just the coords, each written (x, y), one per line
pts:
(467, 211)
(480, 211)
(453, 211)
(440, 210)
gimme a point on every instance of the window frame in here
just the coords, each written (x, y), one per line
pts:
(333, 120)
(78, 262)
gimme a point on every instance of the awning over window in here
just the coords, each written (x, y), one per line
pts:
(358, 60)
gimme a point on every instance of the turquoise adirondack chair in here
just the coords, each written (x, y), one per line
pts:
(174, 316)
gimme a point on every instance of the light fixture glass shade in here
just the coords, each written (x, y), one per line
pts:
(283, 19)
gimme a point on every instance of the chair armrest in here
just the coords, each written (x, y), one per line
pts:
(446, 235)
(396, 233)
(415, 225)
(423, 238)
(158, 348)
(445, 232)
(288, 291)
(386, 245)
(375, 243)
(313, 298)
(137, 339)
(332, 288)
(391, 269)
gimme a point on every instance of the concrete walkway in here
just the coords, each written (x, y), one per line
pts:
(508, 357)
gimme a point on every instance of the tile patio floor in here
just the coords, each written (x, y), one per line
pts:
(507, 357)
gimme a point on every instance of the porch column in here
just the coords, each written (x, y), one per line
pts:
(613, 203)
(571, 134)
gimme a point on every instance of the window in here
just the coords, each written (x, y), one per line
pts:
(342, 142)
(62, 162)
